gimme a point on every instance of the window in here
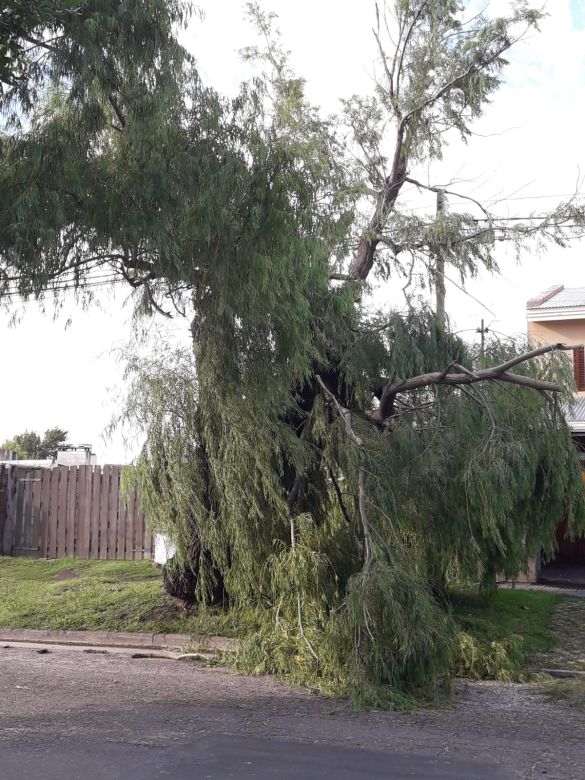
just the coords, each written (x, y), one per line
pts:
(579, 367)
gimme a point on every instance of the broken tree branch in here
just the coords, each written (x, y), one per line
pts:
(468, 377)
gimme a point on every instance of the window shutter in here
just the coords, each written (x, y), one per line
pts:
(579, 367)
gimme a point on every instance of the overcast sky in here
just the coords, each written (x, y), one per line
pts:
(529, 151)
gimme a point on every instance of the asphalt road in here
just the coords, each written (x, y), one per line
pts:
(222, 757)
(70, 716)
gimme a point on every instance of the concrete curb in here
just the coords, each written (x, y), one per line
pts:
(565, 674)
(136, 640)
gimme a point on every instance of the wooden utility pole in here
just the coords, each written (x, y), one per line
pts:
(482, 330)
(440, 272)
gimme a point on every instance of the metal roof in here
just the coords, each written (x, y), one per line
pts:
(561, 298)
(574, 411)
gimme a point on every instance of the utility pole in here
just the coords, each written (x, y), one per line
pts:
(440, 272)
(482, 330)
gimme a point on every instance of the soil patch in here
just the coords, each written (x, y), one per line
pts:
(166, 612)
(66, 574)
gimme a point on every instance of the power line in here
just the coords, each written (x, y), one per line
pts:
(493, 201)
(65, 288)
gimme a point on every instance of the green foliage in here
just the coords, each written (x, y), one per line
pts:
(493, 661)
(29, 445)
(21, 21)
(460, 485)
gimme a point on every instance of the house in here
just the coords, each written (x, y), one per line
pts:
(558, 316)
(74, 455)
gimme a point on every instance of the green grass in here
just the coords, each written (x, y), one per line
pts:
(522, 613)
(497, 635)
(570, 692)
(100, 595)
(500, 633)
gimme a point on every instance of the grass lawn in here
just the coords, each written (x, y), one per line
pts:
(522, 613)
(501, 632)
(100, 595)
(508, 627)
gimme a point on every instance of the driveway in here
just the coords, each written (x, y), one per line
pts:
(72, 715)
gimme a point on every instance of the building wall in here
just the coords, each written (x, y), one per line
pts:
(555, 331)
(78, 457)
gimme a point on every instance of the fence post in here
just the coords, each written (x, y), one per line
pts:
(3, 502)
(8, 535)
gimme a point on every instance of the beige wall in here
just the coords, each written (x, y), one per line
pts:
(555, 331)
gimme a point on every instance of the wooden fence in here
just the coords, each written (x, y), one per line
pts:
(70, 511)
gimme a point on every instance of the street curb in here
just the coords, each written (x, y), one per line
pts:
(137, 640)
(565, 674)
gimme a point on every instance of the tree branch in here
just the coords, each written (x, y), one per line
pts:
(339, 495)
(477, 65)
(468, 377)
(117, 110)
(431, 188)
(345, 415)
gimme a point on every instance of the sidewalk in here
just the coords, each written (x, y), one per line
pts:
(121, 639)
(578, 593)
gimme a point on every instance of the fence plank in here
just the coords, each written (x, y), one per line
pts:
(53, 513)
(94, 513)
(113, 511)
(3, 503)
(62, 511)
(147, 544)
(18, 539)
(8, 539)
(35, 525)
(27, 513)
(44, 508)
(71, 511)
(122, 522)
(104, 498)
(84, 511)
(138, 524)
(130, 501)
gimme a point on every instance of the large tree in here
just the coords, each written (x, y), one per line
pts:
(323, 466)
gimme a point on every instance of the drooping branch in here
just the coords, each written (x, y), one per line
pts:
(345, 415)
(467, 377)
(339, 495)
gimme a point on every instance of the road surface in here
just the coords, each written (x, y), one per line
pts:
(70, 715)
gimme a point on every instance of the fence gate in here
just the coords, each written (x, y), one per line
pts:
(75, 511)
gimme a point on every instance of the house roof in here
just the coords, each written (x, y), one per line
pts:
(558, 297)
(574, 412)
(557, 302)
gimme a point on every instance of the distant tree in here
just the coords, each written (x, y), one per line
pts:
(30, 446)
